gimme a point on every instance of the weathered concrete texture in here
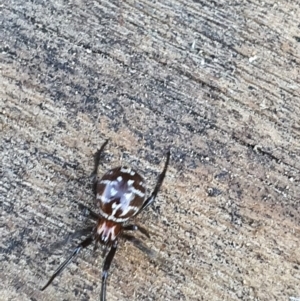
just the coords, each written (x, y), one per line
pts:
(218, 82)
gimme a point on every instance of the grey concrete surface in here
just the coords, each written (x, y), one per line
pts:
(215, 81)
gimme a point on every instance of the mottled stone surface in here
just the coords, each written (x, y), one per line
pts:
(217, 81)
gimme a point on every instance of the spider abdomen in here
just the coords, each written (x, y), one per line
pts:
(120, 194)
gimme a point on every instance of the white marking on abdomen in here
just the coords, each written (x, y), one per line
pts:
(106, 182)
(102, 198)
(113, 191)
(129, 208)
(115, 208)
(138, 192)
(130, 182)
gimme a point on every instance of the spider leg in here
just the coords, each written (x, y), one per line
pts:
(138, 244)
(135, 228)
(97, 157)
(161, 177)
(81, 246)
(71, 236)
(105, 269)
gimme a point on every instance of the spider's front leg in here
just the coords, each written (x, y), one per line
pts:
(159, 182)
(94, 175)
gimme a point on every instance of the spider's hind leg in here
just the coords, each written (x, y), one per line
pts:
(106, 266)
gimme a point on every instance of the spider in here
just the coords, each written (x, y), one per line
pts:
(120, 195)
